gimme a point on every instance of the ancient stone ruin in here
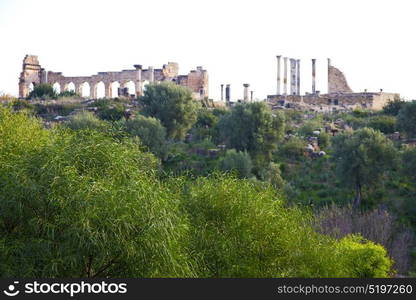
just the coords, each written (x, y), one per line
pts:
(339, 96)
(33, 74)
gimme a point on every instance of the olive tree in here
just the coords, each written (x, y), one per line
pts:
(253, 128)
(173, 105)
(362, 158)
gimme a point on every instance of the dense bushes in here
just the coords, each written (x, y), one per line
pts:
(43, 91)
(80, 203)
(150, 132)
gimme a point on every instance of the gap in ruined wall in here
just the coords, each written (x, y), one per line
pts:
(57, 87)
(85, 89)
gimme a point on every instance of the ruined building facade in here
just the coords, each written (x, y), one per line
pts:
(339, 97)
(33, 74)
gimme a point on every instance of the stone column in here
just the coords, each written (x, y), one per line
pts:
(222, 92)
(292, 76)
(228, 93)
(152, 74)
(298, 77)
(278, 74)
(63, 86)
(313, 75)
(93, 90)
(139, 83)
(107, 88)
(246, 85)
(251, 96)
(78, 89)
(285, 76)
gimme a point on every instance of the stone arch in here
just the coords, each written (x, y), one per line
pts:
(31, 86)
(57, 87)
(114, 86)
(131, 86)
(85, 89)
(70, 87)
(144, 84)
(99, 90)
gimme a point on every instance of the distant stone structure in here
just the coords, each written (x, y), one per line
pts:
(33, 74)
(339, 97)
(337, 83)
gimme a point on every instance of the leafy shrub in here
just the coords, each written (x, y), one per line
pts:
(86, 120)
(82, 204)
(240, 229)
(173, 105)
(393, 107)
(385, 124)
(363, 258)
(150, 132)
(406, 119)
(324, 140)
(237, 161)
(294, 148)
(43, 91)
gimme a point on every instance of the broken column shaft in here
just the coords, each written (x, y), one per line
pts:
(313, 75)
(227, 93)
(278, 75)
(292, 76)
(246, 85)
(298, 76)
(285, 76)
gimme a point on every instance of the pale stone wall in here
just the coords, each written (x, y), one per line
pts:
(337, 83)
(328, 102)
(196, 80)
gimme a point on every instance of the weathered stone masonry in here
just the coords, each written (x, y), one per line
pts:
(33, 74)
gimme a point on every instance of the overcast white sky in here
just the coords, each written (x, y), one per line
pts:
(372, 42)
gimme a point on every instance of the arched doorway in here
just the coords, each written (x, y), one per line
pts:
(56, 87)
(85, 90)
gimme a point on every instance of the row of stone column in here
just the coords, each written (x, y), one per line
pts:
(108, 89)
(294, 76)
(228, 93)
(138, 83)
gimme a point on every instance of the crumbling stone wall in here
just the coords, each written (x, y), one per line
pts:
(337, 83)
(31, 74)
(335, 101)
(196, 80)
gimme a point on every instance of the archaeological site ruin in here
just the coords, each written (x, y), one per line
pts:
(339, 96)
(124, 83)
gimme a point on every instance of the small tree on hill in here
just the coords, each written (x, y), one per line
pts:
(173, 105)
(43, 91)
(362, 158)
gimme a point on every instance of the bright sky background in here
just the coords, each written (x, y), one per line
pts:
(372, 42)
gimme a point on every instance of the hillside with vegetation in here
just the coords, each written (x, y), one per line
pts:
(165, 186)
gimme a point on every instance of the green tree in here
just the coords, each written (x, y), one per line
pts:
(86, 120)
(242, 229)
(254, 128)
(408, 165)
(386, 124)
(293, 149)
(114, 112)
(362, 158)
(393, 107)
(80, 204)
(237, 161)
(406, 119)
(150, 132)
(173, 105)
(43, 91)
(324, 140)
